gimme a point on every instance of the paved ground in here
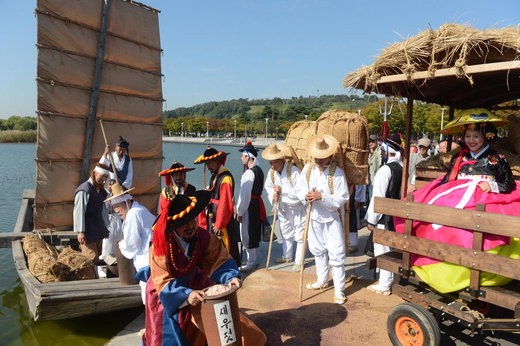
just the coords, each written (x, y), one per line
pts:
(271, 299)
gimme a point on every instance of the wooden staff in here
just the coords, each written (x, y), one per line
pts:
(272, 235)
(109, 153)
(346, 207)
(305, 231)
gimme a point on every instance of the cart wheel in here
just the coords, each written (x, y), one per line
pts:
(411, 324)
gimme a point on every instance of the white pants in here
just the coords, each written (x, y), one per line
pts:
(327, 244)
(385, 277)
(291, 221)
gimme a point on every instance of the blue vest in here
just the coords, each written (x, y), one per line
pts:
(121, 174)
(95, 228)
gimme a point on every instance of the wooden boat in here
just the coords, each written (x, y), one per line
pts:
(96, 60)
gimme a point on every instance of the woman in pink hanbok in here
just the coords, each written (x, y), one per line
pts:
(477, 175)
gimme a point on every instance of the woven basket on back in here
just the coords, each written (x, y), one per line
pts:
(351, 131)
(298, 136)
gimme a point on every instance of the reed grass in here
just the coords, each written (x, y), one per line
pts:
(13, 136)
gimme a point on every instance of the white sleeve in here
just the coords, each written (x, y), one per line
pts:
(302, 187)
(80, 207)
(340, 195)
(269, 186)
(131, 242)
(104, 160)
(380, 186)
(246, 186)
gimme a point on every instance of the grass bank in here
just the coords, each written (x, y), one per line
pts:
(12, 136)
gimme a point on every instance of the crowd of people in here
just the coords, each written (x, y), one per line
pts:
(199, 234)
(194, 241)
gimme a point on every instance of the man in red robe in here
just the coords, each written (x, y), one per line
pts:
(218, 217)
(184, 260)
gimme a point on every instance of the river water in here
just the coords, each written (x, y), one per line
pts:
(17, 172)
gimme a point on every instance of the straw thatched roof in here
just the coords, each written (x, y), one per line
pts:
(456, 65)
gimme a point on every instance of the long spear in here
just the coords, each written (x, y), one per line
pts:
(109, 153)
(272, 235)
(304, 249)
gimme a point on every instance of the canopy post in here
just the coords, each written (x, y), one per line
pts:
(408, 136)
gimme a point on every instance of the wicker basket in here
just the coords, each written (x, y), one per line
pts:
(350, 129)
(298, 136)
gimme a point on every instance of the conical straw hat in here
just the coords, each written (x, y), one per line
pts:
(274, 152)
(117, 191)
(322, 146)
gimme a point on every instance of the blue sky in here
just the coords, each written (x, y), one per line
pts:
(228, 49)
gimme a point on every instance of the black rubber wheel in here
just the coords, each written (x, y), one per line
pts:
(411, 324)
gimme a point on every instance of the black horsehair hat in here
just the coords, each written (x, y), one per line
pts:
(185, 208)
(122, 143)
(250, 148)
(210, 154)
(394, 142)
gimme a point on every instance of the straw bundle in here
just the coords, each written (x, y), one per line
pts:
(351, 131)
(452, 45)
(81, 268)
(297, 138)
(41, 257)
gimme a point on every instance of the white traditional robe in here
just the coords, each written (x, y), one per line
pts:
(137, 233)
(291, 212)
(326, 235)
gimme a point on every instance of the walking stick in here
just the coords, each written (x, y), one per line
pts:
(272, 235)
(109, 153)
(305, 231)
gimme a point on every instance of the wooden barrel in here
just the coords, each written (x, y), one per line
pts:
(221, 319)
(125, 269)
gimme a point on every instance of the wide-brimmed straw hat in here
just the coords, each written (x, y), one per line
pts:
(176, 167)
(275, 152)
(322, 146)
(472, 116)
(119, 194)
(210, 154)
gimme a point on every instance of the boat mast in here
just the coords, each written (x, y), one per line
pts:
(94, 97)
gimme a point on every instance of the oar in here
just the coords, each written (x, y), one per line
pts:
(109, 153)
(272, 235)
(304, 245)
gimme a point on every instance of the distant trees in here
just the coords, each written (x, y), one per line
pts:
(18, 123)
(16, 129)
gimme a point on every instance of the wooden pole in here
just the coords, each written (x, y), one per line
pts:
(109, 153)
(94, 96)
(304, 249)
(272, 235)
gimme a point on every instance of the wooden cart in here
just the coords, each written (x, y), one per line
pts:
(416, 321)
(459, 76)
